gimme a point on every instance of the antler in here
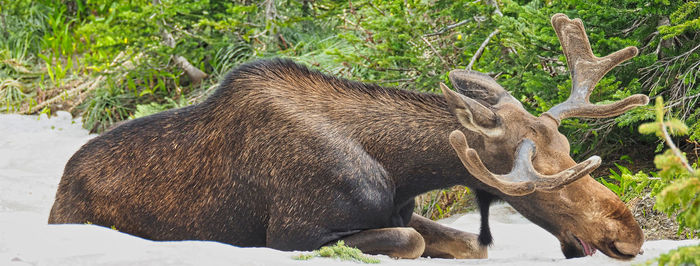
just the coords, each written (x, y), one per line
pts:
(523, 179)
(586, 70)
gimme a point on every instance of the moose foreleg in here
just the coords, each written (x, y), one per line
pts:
(395, 242)
(445, 242)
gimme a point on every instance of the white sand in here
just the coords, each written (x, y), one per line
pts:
(34, 150)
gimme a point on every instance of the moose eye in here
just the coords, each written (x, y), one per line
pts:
(532, 129)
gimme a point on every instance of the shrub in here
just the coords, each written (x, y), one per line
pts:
(680, 181)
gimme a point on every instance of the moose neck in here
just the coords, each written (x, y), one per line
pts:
(408, 133)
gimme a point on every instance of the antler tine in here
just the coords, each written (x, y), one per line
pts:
(523, 179)
(586, 70)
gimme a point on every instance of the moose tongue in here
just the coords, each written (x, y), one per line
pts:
(588, 249)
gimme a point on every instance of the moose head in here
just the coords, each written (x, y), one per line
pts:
(545, 184)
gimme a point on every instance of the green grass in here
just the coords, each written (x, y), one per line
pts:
(11, 95)
(339, 251)
(108, 105)
(443, 203)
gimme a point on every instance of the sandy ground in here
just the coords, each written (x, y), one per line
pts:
(33, 151)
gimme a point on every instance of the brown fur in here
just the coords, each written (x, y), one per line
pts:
(288, 158)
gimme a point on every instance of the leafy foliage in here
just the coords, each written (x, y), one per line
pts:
(442, 203)
(680, 181)
(153, 107)
(627, 185)
(681, 256)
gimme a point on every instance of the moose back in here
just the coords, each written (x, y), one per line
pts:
(285, 157)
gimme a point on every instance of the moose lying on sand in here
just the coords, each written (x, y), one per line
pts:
(292, 159)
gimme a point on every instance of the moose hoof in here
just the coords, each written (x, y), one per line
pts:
(460, 246)
(470, 248)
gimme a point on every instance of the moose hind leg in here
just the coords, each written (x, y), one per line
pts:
(445, 242)
(395, 242)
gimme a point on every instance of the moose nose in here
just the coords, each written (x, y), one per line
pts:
(628, 249)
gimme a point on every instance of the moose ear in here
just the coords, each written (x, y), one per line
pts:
(472, 114)
(480, 86)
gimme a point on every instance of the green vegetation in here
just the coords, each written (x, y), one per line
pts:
(443, 203)
(680, 184)
(681, 256)
(680, 179)
(338, 251)
(627, 185)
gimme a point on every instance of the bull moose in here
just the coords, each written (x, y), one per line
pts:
(284, 157)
